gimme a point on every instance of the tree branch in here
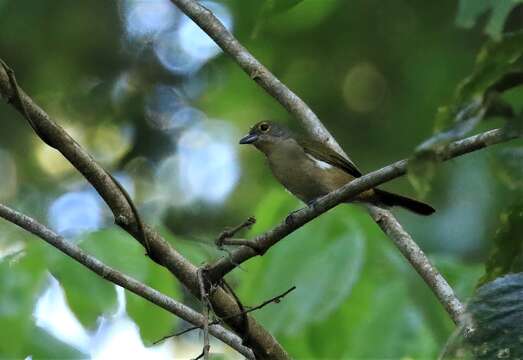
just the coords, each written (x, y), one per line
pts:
(184, 312)
(299, 109)
(255, 336)
(276, 299)
(256, 71)
(264, 241)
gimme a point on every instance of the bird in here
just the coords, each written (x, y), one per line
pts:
(309, 169)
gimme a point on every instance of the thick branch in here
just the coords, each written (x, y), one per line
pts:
(264, 241)
(260, 340)
(127, 282)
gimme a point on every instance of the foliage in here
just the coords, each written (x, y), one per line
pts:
(374, 71)
(470, 10)
(498, 68)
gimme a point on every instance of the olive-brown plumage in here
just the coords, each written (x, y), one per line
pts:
(309, 169)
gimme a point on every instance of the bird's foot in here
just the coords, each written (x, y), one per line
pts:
(292, 216)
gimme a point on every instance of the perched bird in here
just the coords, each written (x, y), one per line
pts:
(310, 169)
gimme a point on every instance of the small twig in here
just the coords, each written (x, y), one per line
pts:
(229, 233)
(225, 238)
(277, 299)
(204, 296)
(202, 355)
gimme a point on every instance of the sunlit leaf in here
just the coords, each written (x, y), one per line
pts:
(88, 295)
(508, 167)
(469, 11)
(115, 248)
(497, 69)
(154, 322)
(507, 252)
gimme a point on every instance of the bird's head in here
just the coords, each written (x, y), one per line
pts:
(265, 135)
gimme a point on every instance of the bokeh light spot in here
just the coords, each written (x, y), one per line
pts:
(145, 19)
(53, 162)
(205, 167)
(186, 49)
(364, 88)
(76, 212)
(161, 104)
(110, 142)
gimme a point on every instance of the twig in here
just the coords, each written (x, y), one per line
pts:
(266, 240)
(204, 297)
(225, 238)
(276, 300)
(290, 101)
(119, 278)
(229, 233)
(263, 343)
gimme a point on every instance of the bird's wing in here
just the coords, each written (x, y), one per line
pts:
(323, 153)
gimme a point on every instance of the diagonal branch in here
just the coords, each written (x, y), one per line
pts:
(348, 191)
(301, 111)
(254, 336)
(186, 313)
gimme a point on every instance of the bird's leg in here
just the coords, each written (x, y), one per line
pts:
(312, 203)
(290, 218)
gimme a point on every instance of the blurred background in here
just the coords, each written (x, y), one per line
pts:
(158, 104)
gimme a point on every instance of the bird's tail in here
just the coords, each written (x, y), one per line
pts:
(390, 199)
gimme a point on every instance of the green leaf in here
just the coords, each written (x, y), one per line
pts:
(88, 295)
(44, 346)
(421, 170)
(278, 6)
(331, 247)
(113, 247)
(21, 279)
(498, 68)
(469, 12)
(478, 92)
(508, 167)
(153, 321)
(496, 311)
(507, 252)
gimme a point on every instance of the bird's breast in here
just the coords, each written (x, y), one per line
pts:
(304, 176)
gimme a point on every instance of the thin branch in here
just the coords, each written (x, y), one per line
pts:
(419, 261)
(392, 228)
(186, 313)
(261, 341)
(204, 296)
(299, 109)
(229, 233)
(266, 240)
(277, 299)
(256, 71)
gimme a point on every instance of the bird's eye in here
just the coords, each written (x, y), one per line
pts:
(264, 127)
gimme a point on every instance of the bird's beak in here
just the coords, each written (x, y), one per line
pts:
(249, 139)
